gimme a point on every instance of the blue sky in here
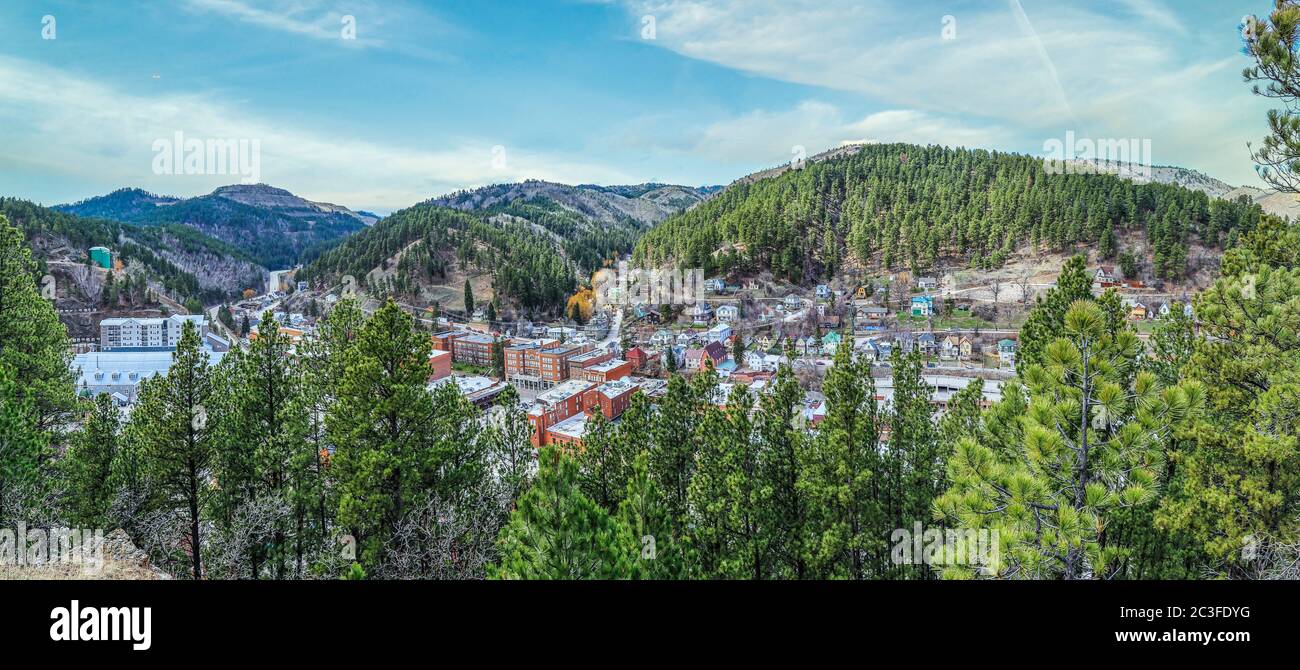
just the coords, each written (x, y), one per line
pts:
(435, 96)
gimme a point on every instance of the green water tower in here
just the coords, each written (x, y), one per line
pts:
(102, 257)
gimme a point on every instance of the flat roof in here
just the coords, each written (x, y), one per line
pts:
(608, 365)
(563, 391)
(574, 426)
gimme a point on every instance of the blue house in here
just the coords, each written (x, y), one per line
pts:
(922, 305)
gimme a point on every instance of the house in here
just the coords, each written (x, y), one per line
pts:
(831, 342)
(714, 352)
(637, 357)
(701, 313)
(823, 292)
(805, 346)
(728, 313)
(927, 283)
(1138, 311)
(922, 305)
(1007, 352)
(1163, 310)
(869, 348)
(862, 293)
(765, 342)
(1106, 274)
(715, 285)
(964, 348)
(719, 333)
(829, 321)
(792, 301)
(950, 348)
(661, 338)
(685, 338)
(868, 318)
(926, 344)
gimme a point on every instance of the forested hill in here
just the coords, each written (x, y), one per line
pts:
(911, 207)
(432, 245)
(536, 239)
(274, 226)
(183, 261)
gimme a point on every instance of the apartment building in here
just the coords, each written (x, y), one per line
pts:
(541, 364)
(156, 333)
(551, 407)
(474, 349)
(608, 371)
(579, 364)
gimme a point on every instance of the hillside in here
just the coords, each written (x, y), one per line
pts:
(178, 261)
(527, 244)
(273, 226)
(642, 203)
(899, 206)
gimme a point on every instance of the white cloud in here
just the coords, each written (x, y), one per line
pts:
(99, 135)
(767, 138)
(1036, 72)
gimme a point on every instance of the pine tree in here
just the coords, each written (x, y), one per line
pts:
(381, 427)
(913, 467)
(781, 431)
(1086, 444)
(557, 532)
(1045, 321)
(87, 466)
(469, 299)
(839, 473)
(262, 444)
(170, 430)
(604, 467)
(22, 451)
(643, 522)
(33, 343)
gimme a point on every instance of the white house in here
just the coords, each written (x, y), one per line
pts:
(728, 313)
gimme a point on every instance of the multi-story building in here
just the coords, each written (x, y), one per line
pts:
(554, 406)
(541, 364)
(611, 398)
(579, 364)
(446, 340)
(608, 371)
(155, 333)
(439, 365)
(474, 349)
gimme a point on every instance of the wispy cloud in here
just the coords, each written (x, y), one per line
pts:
(104, 137)
(1062, 67)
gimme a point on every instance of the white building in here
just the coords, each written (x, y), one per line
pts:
(154, 333)
(119, 373)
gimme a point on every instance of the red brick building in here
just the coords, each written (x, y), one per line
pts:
(474, 349)
(578, 364)
(439, 365)
(610, 399)
(608, 371)
(554, 406)
(637, 357)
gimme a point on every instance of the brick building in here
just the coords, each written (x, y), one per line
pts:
(439, 365)
(554, 406)
(608, 371)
